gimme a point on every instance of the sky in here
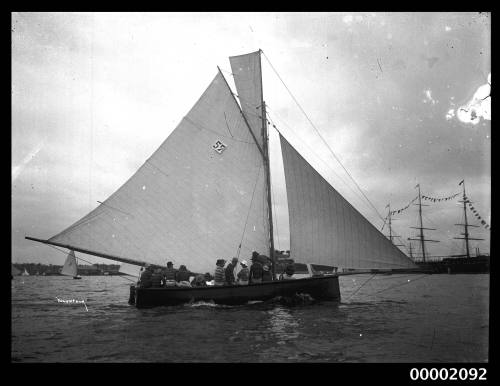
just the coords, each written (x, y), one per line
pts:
(399, 98)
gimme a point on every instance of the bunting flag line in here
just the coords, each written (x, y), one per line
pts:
(475, 213)
(403, 209)
(435, 199)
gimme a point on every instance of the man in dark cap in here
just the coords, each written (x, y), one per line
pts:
(288, 274)
(145, 279)
(169, 275)
(255, 269)
(230, 279)
(182, 277)
(219, 272)
(267, 275)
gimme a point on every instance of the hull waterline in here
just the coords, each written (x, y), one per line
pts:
(319, 288)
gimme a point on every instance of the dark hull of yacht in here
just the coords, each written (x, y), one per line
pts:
(319, 288)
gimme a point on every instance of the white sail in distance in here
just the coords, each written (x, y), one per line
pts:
(70, 267)
(325, 228)
(196, 199)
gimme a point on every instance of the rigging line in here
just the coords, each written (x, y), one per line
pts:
(80, 222)
(65, 253)
(79, 258)
(225, 118)
(119, 210)
(148, 162)
(324, 141)
(362, 285)
(405, 283)
(324, 162)
(200, 127)
(248, 213)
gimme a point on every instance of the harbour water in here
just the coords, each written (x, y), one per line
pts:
(382, 318)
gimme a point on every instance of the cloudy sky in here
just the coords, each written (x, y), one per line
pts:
(400, 99)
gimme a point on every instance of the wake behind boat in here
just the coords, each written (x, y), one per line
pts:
(205, 194)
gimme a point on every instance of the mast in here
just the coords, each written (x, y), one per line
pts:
(391, 236)
(466, 225)
(265, 142)
(421, 227)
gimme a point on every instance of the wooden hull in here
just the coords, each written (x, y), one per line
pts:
(319, 288)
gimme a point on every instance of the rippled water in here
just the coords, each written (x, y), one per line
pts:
(432, 318)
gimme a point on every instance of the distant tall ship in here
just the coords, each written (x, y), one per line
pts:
(462, 263)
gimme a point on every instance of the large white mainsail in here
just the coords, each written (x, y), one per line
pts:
(70, 267)
(325, 228)
(196, 199)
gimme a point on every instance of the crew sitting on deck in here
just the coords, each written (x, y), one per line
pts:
(229, 273)
(156, 278)
(219, 272)
(267, 275)
(209, 279)
(288, 274)
(243, 274)
(256, 271)
(145, 279)
(199, 281)
(182, 277)
(169, 275)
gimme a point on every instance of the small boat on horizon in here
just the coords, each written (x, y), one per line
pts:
(70, 267)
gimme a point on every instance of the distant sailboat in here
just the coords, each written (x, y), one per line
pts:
(25, 273)
(205, 194)
(70, 267)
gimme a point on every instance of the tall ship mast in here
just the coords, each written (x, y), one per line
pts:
(421, 228)
(466, 225)
(389, 225)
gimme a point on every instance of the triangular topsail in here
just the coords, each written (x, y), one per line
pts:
(325, 228)
(70, 267)
(247, 74)
(199, 196)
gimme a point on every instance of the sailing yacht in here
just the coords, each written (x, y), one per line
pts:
(205, 194)
(70, 267)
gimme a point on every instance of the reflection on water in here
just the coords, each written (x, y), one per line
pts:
(282, 324)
